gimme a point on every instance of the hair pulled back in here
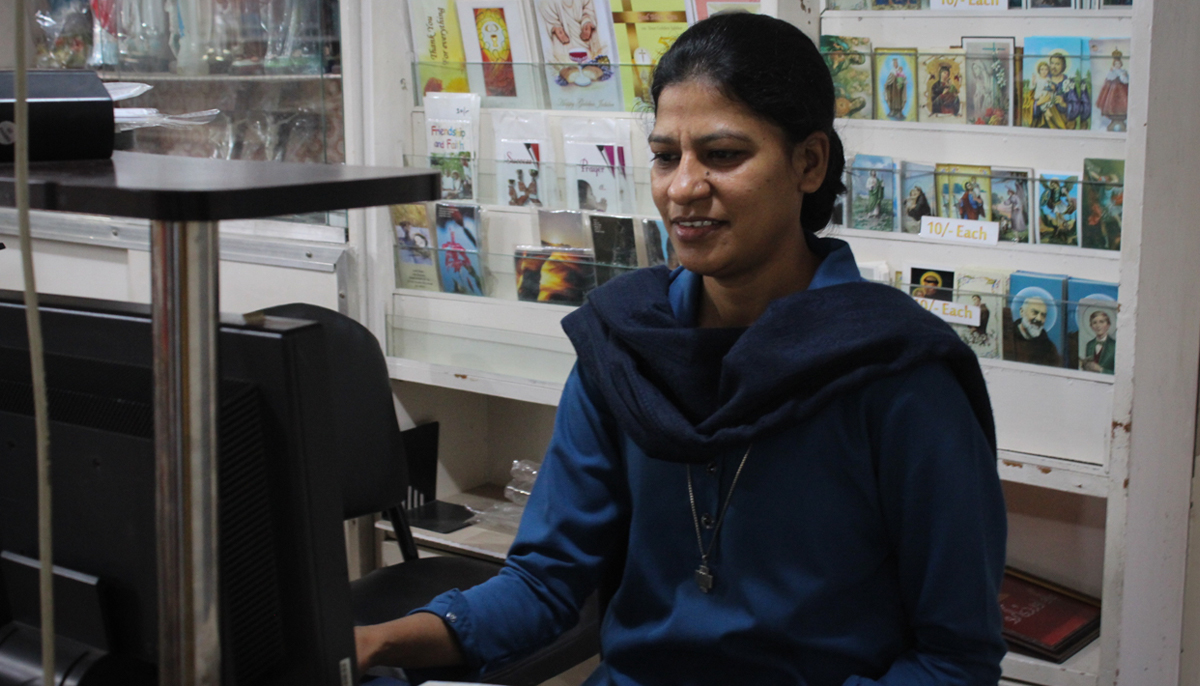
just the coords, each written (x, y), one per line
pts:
(776, 71)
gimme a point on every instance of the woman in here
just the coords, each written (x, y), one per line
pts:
(749, 441)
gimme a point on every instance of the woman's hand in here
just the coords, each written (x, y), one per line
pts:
(417, 641)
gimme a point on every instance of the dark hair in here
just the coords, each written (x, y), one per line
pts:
(790, 86)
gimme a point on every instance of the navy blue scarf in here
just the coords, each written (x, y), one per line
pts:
(688, 394)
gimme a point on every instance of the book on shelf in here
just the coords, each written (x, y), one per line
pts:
(460, 263)
(1092, 325)
(1045, 619)
(1034, 325)
(415, 249)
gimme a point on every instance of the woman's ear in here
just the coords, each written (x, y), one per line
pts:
(810, 159)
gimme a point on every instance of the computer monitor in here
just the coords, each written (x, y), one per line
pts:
(284, 588)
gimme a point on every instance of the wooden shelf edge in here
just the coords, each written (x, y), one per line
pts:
(1052, 473)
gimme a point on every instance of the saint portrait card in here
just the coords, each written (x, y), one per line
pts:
(940, 85)
(1103, 203)
(918, 184)
(847, 5)
(933, 283)
(850, 64)
(1110, 83)
(458, 248)
(895, 4)
(1092, 325)
(415, 248)
(1056, 88)
(989, 66)
(499, 53)
(1011, 193)
(896, 84)
(964, 192)
(615, 245)
(1034, 330)
(658, 244)
(579, 53)
(1053, 4)
(1058, 208)
(873, 193)
(437, 47)
(984, 291)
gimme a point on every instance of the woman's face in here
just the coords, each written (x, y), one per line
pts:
(728, 183)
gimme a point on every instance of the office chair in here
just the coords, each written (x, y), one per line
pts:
(375, 480)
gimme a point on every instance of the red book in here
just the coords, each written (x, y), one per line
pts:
(1045, 619)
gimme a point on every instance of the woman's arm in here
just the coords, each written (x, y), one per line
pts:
(416, 641)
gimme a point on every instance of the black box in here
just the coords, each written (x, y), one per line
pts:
(70, 116)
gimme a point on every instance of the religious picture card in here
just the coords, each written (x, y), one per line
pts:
(895, 4)
(1056, 86)
(579, 51)
(658, 244)
(847, 5)
(918, 184)
(1103, 199)
(1010, 203)
(554, 275)
(596, 154)
(896, 84)
(437, 47)
(989, 65)
(850, 64)
(983, 292)
(563, 229)
(1092, 325)
(703, 9)
(931, 283)
(498, 52)
(525, 174)
(452, 140)
(1058, 208)
(873, 193)
(458, 238)
(415, 249)
(645, 30)
(964, 192)
(615, 245)
(1110, 83)
(1053, 4)
(941, 85)
(1035, 332)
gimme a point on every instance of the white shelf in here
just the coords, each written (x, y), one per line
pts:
(474, 381)
(1058, 475)
(1080, 670)
(927, 28)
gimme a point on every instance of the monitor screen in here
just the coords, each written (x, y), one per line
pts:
(284, 590)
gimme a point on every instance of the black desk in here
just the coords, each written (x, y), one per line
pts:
(185, 198)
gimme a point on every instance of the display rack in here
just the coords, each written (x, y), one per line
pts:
(1061, 431)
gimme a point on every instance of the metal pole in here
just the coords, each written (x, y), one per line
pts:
(184, 257)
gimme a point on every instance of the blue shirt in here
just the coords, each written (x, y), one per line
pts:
(862, 546)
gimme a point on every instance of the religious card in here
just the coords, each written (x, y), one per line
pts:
(849, 62)
(895, 4)
(563, 229)
(658, 244)
(847, 5)
(595, 176)
(452, 139)
(896, 84)
(941, 85)
(1035, 332)
(1056, 87)
(1107, 4)
(415, 250)
(614, 244)
(1058, 208)
(1053, 4)
(580, 62)
(982, 291)
(918, 193)
(931, 283)
(458, 250)
(1103, 198)
(989, 63)
(645, 30)
(964, 192)
(1110, 83)
(498, 52)
(1010, 202)
(554, 275)
(873, 193)
(437, 47)
(1092, 325)
(524, 159)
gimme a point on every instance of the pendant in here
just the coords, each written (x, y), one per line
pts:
(704, 578)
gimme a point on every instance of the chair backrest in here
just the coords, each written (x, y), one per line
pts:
(370, 451)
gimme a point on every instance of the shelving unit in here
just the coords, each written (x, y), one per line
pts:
(1062, 431)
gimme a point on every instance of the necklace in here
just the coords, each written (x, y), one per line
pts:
(704, 576)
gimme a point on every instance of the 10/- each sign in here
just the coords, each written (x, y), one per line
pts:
(951, 312)
(960, 230)
(968, 5)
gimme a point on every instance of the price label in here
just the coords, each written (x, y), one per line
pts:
(949, 312)
(968, 5)
(960, 230)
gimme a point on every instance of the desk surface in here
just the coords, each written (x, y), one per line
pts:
(173, 188)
